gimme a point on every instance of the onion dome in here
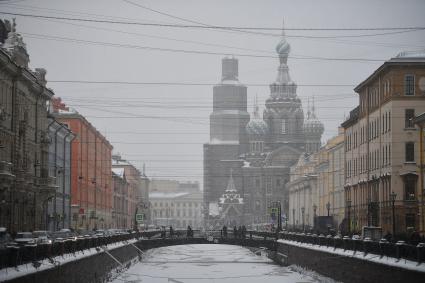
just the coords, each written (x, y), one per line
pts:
(283, 48)
(257, 128)
(312, 124)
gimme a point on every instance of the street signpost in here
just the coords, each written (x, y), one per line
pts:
(276, 213)
(139, 217)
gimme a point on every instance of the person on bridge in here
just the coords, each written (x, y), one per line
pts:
(163, 232)
(235, 232)
(189, 232)
(171, 232)
(243, 232)
(225, 231)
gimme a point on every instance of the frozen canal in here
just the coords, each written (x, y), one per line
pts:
(211, 263)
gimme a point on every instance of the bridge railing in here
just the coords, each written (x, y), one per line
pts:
(14, 255)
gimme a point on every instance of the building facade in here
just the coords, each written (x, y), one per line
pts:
(120, 213)
(91, 175)
(58, 212)
(228, 138)
(382, 147)
(176, 204)
(25, 184)
(316, 186)
(137, 192)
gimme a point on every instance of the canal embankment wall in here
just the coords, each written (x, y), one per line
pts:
(348, 266)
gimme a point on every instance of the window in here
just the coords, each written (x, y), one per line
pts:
(409, 114)
(410, 221)
(410, 152)
(409, 85)
(284, 129)
(409, 187)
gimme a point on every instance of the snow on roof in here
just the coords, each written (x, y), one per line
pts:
(118, 171)
(217, 141)
(70, 110)
(411, 54)
(230, 82)
(120, 162)
(166, 195)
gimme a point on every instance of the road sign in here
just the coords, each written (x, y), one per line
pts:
(139, 217)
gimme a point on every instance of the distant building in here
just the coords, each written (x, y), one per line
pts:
(91, 175)
(58, 214)
(231, 205)
(382, 147)
(25, 184)
(259, 151)
(175, 203)
(137, 190)
(228, 138)
(316, 186)
(121, 218)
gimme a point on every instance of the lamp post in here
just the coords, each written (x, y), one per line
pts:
(393, 196)
(293, 217)
(314, 215)
(348, 215)
(302, 212)
(328, 207)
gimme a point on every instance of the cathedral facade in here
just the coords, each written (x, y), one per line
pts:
(258, 150)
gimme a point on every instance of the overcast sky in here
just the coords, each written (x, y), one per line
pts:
(165, 126)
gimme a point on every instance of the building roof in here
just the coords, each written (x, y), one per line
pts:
(354, 116)
(403, 58)
(158, 195)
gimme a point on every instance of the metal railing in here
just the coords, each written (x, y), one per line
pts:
(15, 255)
(382, 248)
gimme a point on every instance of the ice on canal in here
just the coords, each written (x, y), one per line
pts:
(212, 263)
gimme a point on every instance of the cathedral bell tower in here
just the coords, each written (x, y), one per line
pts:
(284, 114)
(229, 116)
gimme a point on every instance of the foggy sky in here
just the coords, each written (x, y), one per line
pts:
(180, 114)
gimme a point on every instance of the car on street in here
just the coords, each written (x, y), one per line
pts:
(24, 238)
(5, 238)
(42, 237)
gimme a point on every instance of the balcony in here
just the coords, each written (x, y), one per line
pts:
(6, 171)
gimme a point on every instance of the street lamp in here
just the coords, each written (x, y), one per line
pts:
(348, 215)
(302, 212)
(393, 196)
(314, 219)
(328, 207)
(293, 217)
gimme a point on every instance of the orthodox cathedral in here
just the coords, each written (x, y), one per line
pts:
(251, 156)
